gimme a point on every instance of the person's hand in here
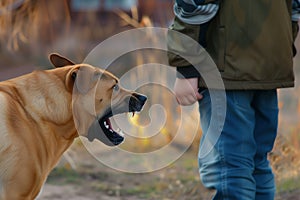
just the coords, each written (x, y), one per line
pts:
(186, 91)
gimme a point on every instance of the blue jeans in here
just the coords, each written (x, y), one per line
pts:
(237, 166)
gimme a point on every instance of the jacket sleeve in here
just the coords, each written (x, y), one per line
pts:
(179, 46)
(186, 33)
(295, 19)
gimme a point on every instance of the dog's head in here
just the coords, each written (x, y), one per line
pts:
(97, 96)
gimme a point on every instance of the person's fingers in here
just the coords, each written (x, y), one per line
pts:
(186, 100)
(198, 95)
(191, 99)
(182, 101)
(178, 100)
(186, 91)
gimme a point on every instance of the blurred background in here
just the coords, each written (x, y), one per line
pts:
(31, 29)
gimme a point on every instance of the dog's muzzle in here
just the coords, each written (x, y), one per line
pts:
(102, 129)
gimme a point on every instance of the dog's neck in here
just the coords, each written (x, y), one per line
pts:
(52, 98)
(40, 109)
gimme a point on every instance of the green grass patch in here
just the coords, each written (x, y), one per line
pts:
(288, 185)
(144, 190)
(61, 175)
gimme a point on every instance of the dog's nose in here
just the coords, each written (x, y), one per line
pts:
(137, 102)
(141, 98)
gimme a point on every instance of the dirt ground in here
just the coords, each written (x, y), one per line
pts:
(92, 180)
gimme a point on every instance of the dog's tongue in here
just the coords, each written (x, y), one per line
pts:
(109, 124)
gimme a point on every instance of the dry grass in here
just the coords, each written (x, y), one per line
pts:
(14, 21)
(31, 22)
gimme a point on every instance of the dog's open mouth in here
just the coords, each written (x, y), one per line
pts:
(102, 128)
(114, 136)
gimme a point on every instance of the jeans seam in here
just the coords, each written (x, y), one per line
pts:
(223, 170)
(224, 181)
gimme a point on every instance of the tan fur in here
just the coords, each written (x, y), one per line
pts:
(37, 124)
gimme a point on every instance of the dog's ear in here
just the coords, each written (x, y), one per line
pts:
(59, 61)
(70, 78)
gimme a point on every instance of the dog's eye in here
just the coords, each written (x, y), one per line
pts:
(116, 88)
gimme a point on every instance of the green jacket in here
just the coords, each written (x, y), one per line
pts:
(250, 41)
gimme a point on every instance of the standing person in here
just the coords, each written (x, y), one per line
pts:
(251, 42)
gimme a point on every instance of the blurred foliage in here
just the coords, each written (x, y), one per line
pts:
(31, 29)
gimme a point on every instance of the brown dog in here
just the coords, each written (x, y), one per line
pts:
(43, 112)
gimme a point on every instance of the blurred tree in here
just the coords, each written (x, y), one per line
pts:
(26, 21)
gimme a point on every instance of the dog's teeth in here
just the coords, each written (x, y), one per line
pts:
(121, 133)
(111, 130)
(131, 114)
(105, 123)
(107, 126)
